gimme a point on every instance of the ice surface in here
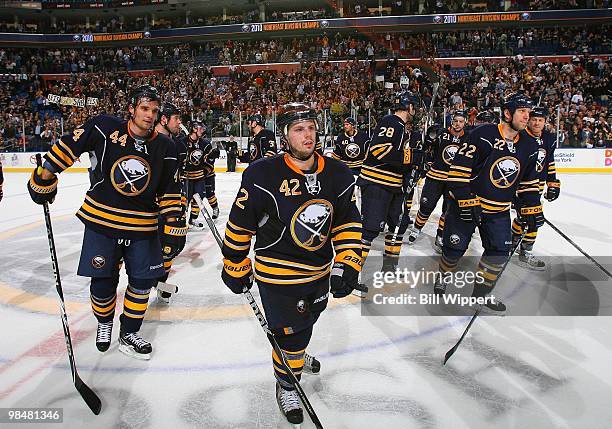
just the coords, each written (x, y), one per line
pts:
(211, 361)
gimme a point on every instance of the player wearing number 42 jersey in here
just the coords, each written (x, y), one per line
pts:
(134, 172)
(497, 163)
(300, 208)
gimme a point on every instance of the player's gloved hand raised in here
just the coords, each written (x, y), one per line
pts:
(470, 209)
(173, 238)
(553, 188)
(533, 217)
(237, 276)
(42, 190)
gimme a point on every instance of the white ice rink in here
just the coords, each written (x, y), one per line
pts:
(211, 361)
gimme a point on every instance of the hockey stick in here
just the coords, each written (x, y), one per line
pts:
(264, 324)
(453, 349)
(89, 396)
(570, 241)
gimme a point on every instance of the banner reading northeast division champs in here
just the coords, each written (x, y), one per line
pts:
(72, 101)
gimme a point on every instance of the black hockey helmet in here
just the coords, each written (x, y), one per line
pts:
(539, 112)
(461, 113)
(168, 109)
(350, 120)
(144, 91)
(294, 112)
(194, 125)
(258, 119)
(404, 99)
(516, 101)
(487, 117)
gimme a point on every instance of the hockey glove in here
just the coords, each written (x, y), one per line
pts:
(553, 188)
(173, 238)
(345, 274)
(533, 217)
(237, 276)
(470, 209)
(414, 157)
(42, 190)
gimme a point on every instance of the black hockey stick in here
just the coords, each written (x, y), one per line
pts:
(89, 396)
(570, 241)
(453, 349)
(264, 324)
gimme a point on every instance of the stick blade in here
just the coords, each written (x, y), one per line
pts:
(89, 396)
(449, 353)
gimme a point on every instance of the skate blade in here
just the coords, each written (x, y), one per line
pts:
(359, 294)
(129, 351)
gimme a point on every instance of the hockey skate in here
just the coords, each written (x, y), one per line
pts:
(196, 224)
(414, 234)
(437, 245)
(163, 297)
(215, 213)
(496, 308)
(311, 364)
(131, 344)
(527, 260)
(103, 335)
(165, 291)
(289, 404)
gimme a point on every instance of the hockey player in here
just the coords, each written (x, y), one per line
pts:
(263, 142)
(134, 171)
(486, 117)
(385, 174)
(196, 170)
(350, 146)
(169, 124)
(299, 206)
(212, 153)
(448, 143)
(489, 169)
(547, 175)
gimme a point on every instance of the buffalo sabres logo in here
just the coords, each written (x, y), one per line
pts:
(98, 261)
(449, 152)
(540, 161)
(253, 151)
(311, 224)
(505, 171)
(130, 175)
(195, 157)
(352, 150)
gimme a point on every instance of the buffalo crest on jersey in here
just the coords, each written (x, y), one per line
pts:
(449, 153)
(195, 157)
(311, 224)
(353, 150)
(505, 171)
(540, 161)
(130, 175)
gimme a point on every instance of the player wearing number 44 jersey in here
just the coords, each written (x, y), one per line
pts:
(497, 163)
(547, 175)
(300, 208)
(134, 185)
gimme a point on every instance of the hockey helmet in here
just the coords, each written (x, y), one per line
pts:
(193, 127)
(257, 118)
(487, 117)
(144, 91)
(294, 112)
(516, 101)
(168, 109)
(350, 120)
(539, 112)
(460, 113)
(404, 99)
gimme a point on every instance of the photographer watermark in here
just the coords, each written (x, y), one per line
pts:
(412, 278)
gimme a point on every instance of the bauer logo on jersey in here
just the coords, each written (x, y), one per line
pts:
(505, 171)
(130, 175)
(311, 224)
(195, 157)
(352, 150)
(540, 161)
(449, 153)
